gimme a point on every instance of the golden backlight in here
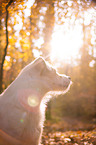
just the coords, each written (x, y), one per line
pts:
(66, 46)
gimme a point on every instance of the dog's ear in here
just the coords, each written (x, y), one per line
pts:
(39, 64)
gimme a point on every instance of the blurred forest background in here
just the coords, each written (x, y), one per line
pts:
(64, 33)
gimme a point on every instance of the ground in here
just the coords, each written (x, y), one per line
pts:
(77, 136)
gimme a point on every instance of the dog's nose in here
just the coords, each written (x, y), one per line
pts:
(69, 77)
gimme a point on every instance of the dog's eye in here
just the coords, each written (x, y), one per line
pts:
(52, 71)
(48, 70)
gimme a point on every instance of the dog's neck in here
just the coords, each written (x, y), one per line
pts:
(30, 99)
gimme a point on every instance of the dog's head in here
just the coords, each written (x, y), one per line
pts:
(38, 78)
(43, 75)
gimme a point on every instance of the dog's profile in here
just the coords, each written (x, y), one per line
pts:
(21, 113)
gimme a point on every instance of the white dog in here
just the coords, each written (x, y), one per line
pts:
(21, 113)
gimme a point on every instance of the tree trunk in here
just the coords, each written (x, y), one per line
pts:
(5, 49)
(49, 26)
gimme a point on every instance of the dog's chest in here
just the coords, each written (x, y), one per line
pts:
(21, 124)
(30, 123)
(32, 127)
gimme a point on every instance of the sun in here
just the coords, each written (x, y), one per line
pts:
(65, 46)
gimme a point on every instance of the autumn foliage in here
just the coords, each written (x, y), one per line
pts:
(30, 26)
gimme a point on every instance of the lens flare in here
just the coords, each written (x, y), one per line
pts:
(33, 101)
(21, 120)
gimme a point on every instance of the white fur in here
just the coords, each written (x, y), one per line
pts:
(22, 105)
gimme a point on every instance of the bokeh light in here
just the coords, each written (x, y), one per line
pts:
(33, 101)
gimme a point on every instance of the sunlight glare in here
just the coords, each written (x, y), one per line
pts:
(66, 46)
